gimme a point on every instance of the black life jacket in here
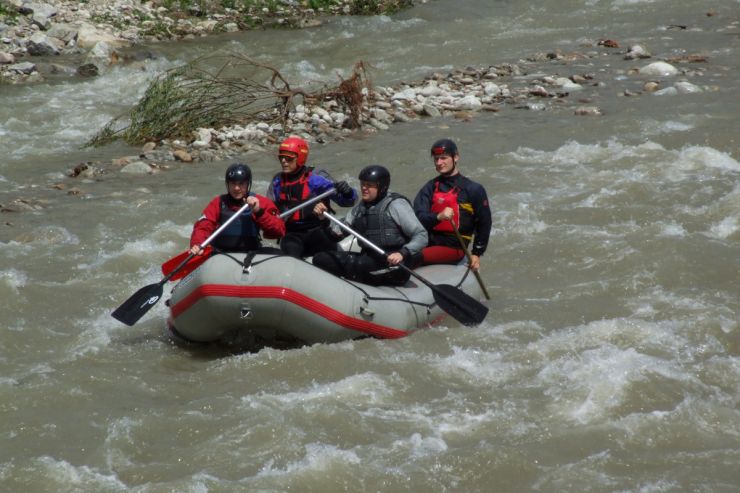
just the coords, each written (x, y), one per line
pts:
(375, 223)
(242, 235)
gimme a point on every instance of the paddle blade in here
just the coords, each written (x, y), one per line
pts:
(137, 305)
(193, 264)
(459, 305)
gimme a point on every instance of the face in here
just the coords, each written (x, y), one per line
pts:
(289, 162)
(368, 191)
(238, 189)
(445, 164)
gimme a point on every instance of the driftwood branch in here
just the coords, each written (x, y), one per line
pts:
(214, 92)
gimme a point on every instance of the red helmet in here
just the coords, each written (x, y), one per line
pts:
(294, 146)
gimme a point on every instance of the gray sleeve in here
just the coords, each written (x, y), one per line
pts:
(402, 212)
(338, 231)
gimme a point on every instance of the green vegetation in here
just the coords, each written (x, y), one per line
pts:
(376, 7)
(8, 14)
(213, 92)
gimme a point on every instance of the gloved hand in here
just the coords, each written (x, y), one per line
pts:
(343, 188)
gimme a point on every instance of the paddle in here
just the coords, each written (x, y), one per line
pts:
(458, 304)
(194, 263)
(470, 260)
(141, 301)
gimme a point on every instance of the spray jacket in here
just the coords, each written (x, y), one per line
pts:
(244, 233)
(290, 190)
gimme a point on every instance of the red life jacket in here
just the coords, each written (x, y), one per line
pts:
(295, 192)
(441, 200)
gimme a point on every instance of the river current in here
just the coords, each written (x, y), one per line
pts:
(609, 361)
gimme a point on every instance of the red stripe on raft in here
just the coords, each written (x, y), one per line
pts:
(290, 296)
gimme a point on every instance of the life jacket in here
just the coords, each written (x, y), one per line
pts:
(294, 190)
(462, 213)
(242, 235)
(442, 200)
(375, 223)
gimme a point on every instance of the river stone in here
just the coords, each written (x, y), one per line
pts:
(42, 45)
(668, 91)
(659, 69)
(23, 67)
(469, 102)
(88, 36)
(182, 155)
(63, 32)
(588, 111)
(6, 58)
(407, 94)
(41, 13)
(635, 52)
(137, 168)
(491, 89)
(431, 110)
(685, 87)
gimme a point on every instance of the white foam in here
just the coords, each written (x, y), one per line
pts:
(724, 228)
(14, 279)
(318, 457)
(60, 475)
(366, 388)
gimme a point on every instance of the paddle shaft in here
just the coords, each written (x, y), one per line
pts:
(470, 259)
(208, 240)
(310, 201)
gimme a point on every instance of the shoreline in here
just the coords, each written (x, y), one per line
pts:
(93, 30)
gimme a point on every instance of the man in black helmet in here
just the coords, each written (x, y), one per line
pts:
(387, 220)
(452, 201)
(243, 234)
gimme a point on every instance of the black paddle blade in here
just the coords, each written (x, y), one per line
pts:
(459, 305)
(137, 305)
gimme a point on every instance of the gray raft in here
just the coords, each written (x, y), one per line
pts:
(277, 298)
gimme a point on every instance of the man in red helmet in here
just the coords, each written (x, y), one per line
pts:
(243, 234)
(306, 233)
(452, 201)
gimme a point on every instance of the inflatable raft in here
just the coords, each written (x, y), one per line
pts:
(275, 297)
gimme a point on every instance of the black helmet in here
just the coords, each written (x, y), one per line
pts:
(239, 172)
(444, 146)
(377, 174)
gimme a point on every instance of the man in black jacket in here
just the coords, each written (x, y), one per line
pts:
(452, 201)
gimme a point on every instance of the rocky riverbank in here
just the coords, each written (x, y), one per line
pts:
(33, 32)
(543, 82)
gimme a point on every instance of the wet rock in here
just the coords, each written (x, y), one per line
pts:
(182, 155)
(63, 32)
(23, 68)
(41, 13)
(685, 87)
(6, 58)
(659, 69)
(137, 168)
(588, 111)
(668, 91)
(635, 52)
(148, 147)
(42, 45)
(651, 86)
(431, 110)
(88, 70)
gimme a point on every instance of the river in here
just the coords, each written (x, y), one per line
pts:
(609, 361)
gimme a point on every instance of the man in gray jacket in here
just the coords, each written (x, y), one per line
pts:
(387, 220)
